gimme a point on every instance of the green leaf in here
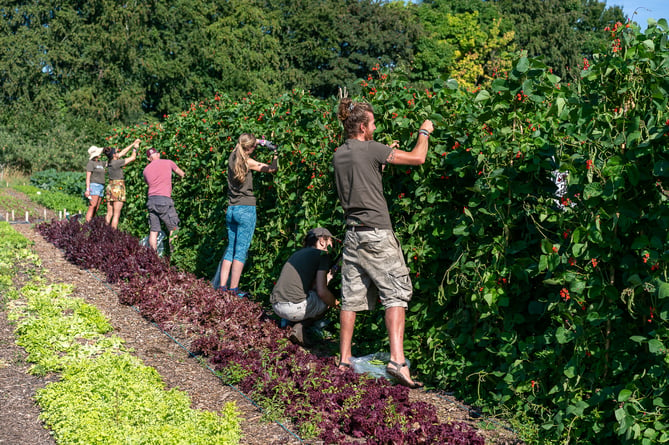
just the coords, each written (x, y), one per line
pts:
(560, 103)
(579, 249)
(624, 395)
(461, 230)
(547, 246)
(663, 290)
(563, 335)
(649, 44)
(661, 168)
(523, 65)
(569, 371)
(543, 263)
(482, 96)
(659, 402)
(577, 286)
(452, 84)
(592, 190)
(655, 346)
(578, 409)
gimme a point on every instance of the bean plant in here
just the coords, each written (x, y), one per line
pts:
(536, 232)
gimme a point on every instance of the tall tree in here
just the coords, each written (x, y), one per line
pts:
(562, 31)
(331, 43)
(461, 42)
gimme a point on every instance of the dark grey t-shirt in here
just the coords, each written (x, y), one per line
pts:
(116, 169)
(97, 169)
(239, 194)
(298, 275)
(357, 166)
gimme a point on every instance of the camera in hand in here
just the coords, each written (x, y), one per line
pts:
(267, 144)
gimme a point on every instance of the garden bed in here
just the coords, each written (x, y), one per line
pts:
(169, 358)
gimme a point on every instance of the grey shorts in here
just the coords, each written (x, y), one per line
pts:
(312, 307)
(161, 208)
(373, 266)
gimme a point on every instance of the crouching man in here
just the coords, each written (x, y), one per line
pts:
(301, 293)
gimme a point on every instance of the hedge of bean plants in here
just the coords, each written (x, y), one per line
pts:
(536, 232)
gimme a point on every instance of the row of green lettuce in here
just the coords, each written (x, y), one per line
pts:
(536, 234)
(104, 394)
(56, 200)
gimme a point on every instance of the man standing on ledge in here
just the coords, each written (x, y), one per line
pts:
(372, 260)
(158, 175)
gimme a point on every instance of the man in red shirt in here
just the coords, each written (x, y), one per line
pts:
(158, 176)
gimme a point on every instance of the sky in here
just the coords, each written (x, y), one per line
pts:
(645, 9)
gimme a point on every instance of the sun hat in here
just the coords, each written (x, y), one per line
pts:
(150, 152)
(94, 151)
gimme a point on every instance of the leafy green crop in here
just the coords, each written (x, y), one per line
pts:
(70, 183)
(54, 200)
(14, 249)
(105, 395)
(114, 399)
(57, 330)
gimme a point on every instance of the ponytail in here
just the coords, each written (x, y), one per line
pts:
(352, 114)
(241, 151)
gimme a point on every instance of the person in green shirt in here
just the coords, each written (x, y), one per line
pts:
(95, 180)
(240, 217)
(301, 293)
(373, 265)
(116, 186)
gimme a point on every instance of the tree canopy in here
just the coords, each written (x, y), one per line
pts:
(71, 69)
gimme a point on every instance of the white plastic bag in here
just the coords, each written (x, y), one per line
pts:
(160, 242)
(373, 364)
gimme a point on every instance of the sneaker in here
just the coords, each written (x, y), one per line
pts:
(296, 334)
(320, 324)
(239, 293)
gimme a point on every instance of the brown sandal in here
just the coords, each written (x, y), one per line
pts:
(346, 366)
(395, 370)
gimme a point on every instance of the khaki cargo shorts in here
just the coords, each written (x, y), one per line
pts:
(373, 266)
